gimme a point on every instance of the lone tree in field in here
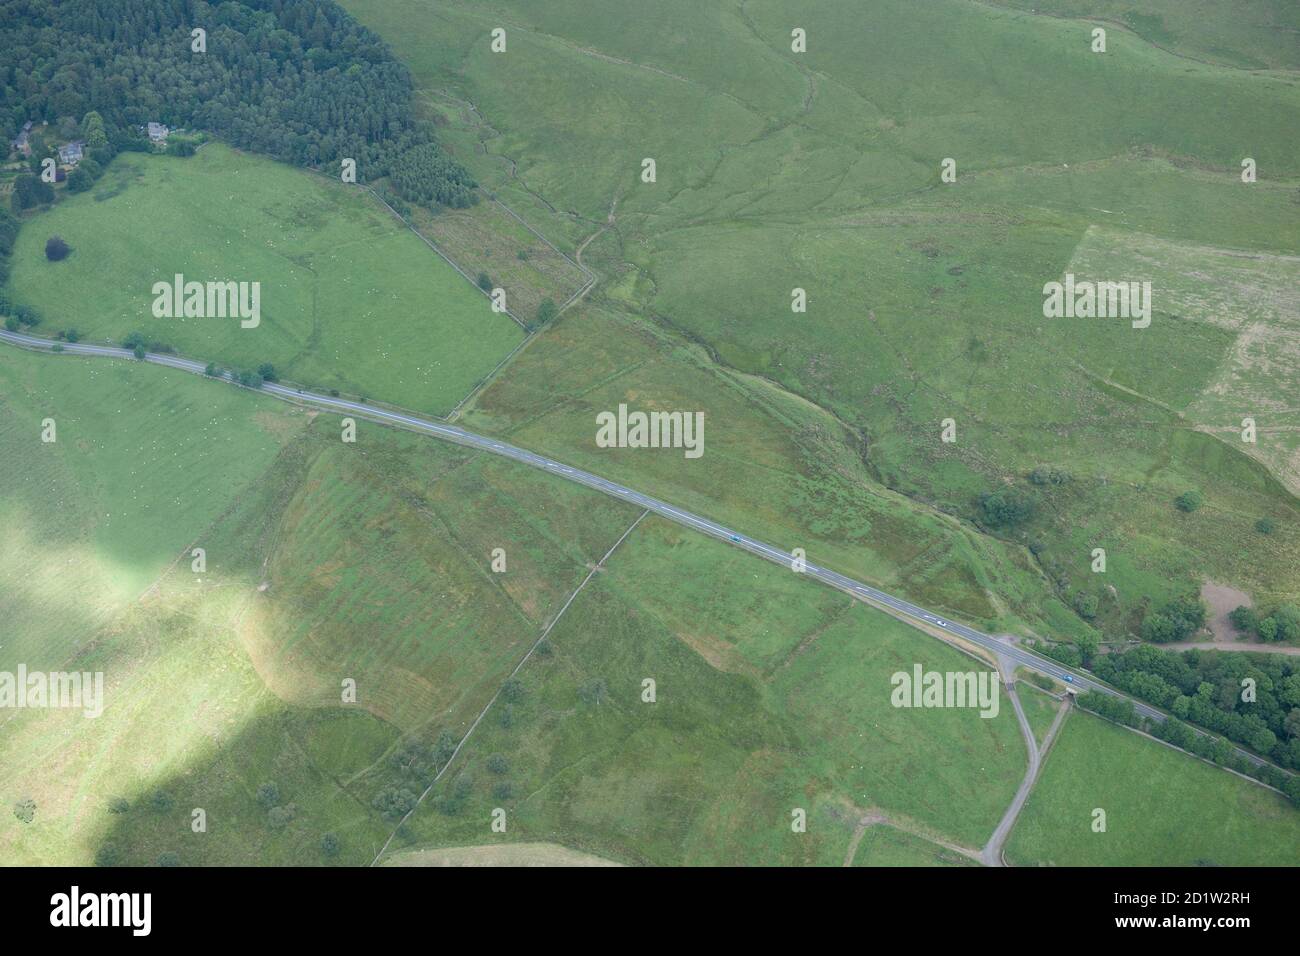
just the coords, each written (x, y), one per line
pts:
(546, 312)
(56, 249)
(484, 282)
(1188, 501)
(1005, 507)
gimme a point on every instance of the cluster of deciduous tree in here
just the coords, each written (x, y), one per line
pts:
(32, 189)
(1049, 475)
(547, 310)
(1176, 621)
(141, 343)
(1253, 699)
(423, 761)
(299, 80)
(1112, 708)
(1281, 624)
(1077, 653)
(395, 802)
(1004, 507)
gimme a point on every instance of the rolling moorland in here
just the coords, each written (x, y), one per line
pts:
(370, 561)
(778, 171)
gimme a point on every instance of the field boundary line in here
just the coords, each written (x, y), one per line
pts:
(522, 661)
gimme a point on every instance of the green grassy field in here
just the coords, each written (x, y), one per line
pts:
(885, 846)
(580, 100)
(1162, 807)
(821, 171)
(757, 713)
(1040, 709)
(214, 692)
(397, 542)
(350, 299)
(325, 561)
(142, 466)
(146, 463)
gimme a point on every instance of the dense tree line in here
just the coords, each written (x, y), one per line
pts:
(1253, 699)
(299, 80)
(8, 236)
